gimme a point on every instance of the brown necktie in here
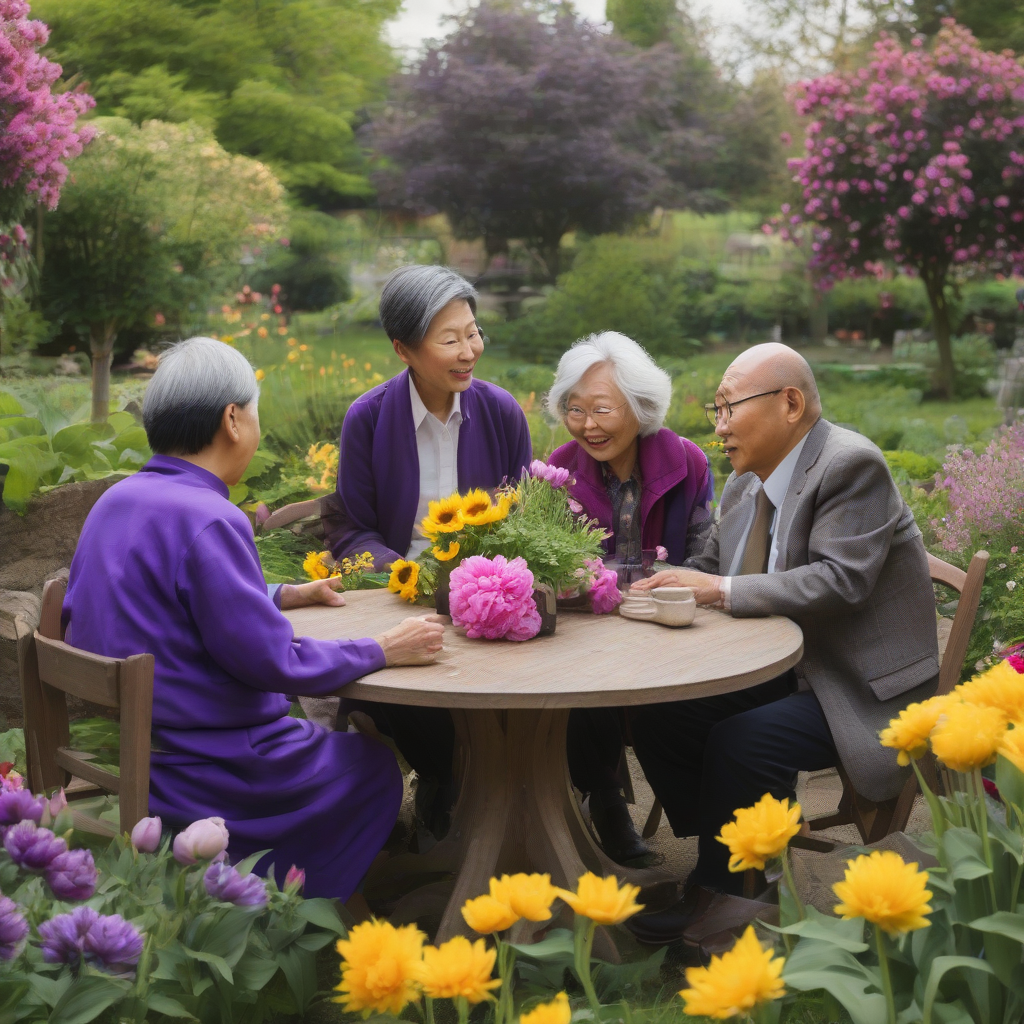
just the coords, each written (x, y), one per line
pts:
(755, 555)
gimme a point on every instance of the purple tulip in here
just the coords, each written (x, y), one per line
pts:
(108, 942)
(19, 805)
(224, 883)
(13, 929)
(295, 880)
(72, 875)
(32, 847)
(146, 835)
(202, 840)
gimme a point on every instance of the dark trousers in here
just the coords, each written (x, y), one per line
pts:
(426, 738)
(706, 758)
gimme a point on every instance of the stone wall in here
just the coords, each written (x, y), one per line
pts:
(33, 548)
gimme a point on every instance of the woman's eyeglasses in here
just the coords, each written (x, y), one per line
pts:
(723, 413)
(576, 417)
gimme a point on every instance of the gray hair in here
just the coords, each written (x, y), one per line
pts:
(647, 387)
(414, 295)
(195, 381)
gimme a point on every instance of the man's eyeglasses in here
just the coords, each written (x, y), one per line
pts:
(576, 417)
(723, 413)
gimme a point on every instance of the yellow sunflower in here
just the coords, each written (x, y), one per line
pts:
(443, 516)
(403, 579)
(479, 510)
(445, 556)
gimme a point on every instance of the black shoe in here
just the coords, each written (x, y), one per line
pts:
(615, 829)
(666, 926)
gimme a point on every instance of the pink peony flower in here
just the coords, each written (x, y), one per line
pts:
(295, 880)
(661, 553)
(146, 835)
(202, 840)
(604, 589)
(493, 599)
(575, 507)
(554, 475)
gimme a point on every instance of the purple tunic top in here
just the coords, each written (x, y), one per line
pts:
(676, 494)
(374, 507)
(167, 565)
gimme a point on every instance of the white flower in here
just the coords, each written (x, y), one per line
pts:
(1011, 585)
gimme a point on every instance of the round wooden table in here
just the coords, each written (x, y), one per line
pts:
(510, 703)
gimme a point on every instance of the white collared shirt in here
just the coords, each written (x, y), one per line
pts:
(776, 487)
(437, 445)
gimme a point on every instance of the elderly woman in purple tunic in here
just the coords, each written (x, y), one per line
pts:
(419, 437)
(167, 564)
(648, 488)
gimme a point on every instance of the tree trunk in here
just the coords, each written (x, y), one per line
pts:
(817, 314)
(935, 284)
(101, 344)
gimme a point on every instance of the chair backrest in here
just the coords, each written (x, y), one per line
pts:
(292, 514)
(51, 669)
(968, 585)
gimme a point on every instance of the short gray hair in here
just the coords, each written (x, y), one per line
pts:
(414, 295)
(647, 387)
(195, 381)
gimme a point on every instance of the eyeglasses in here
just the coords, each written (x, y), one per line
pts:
(719, 413)
(577, 417)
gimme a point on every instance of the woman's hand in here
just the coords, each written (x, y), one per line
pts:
(707, 589)
(414, 641)
(317, 592)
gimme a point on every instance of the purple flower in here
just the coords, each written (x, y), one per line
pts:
(72, 875)
(146, 835)
(19, 805)
(108, 942)
(13, 929)
(604, 588)
(32, 847)
(224, 883)
(555, 475)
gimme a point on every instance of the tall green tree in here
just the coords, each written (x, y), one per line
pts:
(642, 22)
(283, 81)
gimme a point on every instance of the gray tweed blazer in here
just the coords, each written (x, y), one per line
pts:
(853, 574)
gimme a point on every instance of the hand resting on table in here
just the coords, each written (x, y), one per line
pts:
(414, 641)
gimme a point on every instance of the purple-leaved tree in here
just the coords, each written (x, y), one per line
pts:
(916, 159)
(522, 125)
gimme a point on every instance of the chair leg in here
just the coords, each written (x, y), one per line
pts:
(653, 820)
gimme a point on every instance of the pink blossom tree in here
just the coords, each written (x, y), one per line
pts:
(918, 160)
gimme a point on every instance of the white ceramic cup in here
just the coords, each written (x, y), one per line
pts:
(674, 606)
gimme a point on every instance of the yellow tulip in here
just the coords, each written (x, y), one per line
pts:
(760, 832)
(555, 1012)
(487, 915)
(886, 891)
(458, 969)
(528, 896)
(602, 900)
(967, 736)
(379, 968)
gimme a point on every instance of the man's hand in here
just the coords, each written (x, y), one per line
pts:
(707, 589)
(414, 641)
(317, 592)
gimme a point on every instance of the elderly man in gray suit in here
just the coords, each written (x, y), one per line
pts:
(811, 527)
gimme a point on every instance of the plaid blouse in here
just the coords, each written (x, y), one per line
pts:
(625, 499)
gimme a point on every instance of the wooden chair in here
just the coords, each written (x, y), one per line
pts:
(876, 820)
(292, 514)
(50, 670)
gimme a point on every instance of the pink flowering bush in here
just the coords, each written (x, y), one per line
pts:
(916, 159)
(38, 132)
(492, 598)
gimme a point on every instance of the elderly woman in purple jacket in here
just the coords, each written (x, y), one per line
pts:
(648, 488)
(417, 438)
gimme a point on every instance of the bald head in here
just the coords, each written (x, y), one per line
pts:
(771, 367)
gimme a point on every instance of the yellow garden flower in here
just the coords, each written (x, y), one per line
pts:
(909, 731)
(261, 374)
(760, 832)
(602, 900)
(1012, 745)
(528, 896)
(487, 915)
(379, 967)
(458, 968)
(884, 890)
(445, 556)
(316, 568)
(403, 579)
(1000, 687)
(476, 514)
(443, 516)
(735, 982)
(555, 1012)
(967, 736)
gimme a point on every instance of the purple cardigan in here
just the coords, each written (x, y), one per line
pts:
(374, 506)
(677, 490)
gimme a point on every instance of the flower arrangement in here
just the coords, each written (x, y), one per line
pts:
(354, 572)
(149, 927)
(491, 553)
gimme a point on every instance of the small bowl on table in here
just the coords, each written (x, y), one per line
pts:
(674, 606)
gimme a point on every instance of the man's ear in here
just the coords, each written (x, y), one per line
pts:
(797, 404)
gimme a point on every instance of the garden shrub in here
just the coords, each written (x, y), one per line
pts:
(995, 301)
(909, 465)
(878, 308)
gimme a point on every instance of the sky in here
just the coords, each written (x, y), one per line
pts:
(420, 20)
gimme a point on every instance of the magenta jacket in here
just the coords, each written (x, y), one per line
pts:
(677, 490)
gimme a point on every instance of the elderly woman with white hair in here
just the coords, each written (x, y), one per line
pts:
(648, 488)
(166, 564)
